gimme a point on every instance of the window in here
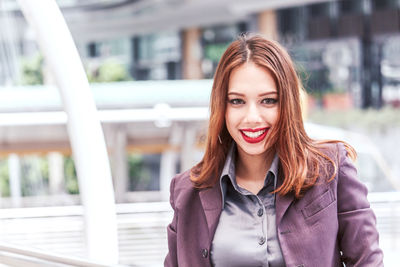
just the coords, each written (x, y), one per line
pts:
(319, 10)
(351, 6)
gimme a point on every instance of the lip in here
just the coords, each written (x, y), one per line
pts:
(254, 130)
(254, 140)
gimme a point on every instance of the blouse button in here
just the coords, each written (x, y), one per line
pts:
(260, 212)
(204, 253)
(261, 241)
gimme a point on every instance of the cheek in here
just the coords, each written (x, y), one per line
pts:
(274, 116)
(227, 121)
(229, 118)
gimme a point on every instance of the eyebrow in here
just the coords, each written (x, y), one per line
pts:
(263, 94)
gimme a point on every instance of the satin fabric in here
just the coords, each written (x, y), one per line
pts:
(248, 220)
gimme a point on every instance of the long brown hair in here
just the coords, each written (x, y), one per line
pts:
(301, 158)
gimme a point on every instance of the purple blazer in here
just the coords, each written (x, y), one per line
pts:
(331, 225)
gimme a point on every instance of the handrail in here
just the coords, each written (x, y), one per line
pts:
(35, 255)
(139, 207)
(77, 210)
(379, 197)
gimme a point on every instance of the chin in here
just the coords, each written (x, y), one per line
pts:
(256, 151)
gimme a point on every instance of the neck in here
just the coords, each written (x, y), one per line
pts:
(249, 167)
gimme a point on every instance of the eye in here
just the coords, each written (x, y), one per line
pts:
(236, 101)
(269, 101)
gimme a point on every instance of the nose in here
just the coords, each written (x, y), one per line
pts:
(253, 114)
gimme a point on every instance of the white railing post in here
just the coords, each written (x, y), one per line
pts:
(14, 167)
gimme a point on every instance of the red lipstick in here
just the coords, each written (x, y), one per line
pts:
(257, 139)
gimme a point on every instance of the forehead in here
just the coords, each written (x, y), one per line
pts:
(251, 77)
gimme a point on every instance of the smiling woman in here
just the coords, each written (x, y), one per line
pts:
(265, 193)
(252, 108)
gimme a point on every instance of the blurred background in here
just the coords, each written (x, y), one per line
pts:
(150, 65)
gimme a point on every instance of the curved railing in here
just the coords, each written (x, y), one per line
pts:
(13, 255)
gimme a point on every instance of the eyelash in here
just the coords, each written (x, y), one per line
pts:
(236, 101)
(270, 101)
(266, 101)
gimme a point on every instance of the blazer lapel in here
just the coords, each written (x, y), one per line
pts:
(282, 203)
(211, 200)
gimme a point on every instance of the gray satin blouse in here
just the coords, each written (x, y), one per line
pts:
(246, 234)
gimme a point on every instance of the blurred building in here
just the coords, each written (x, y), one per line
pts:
(347, 53)
(347, 46)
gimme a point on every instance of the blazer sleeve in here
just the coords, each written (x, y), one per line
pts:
(171, 258)
(358, 236)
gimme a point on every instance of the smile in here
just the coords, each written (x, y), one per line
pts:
(254, 135)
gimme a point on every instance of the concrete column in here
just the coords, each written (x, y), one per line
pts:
(14, 170)
(167, 171)
(192, 54)
(268, 24)
(169, 159)
(56, 173)
(119, 163)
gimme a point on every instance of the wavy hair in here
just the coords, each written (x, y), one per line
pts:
(301, 158)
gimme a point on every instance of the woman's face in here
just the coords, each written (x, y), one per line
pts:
(252, 108)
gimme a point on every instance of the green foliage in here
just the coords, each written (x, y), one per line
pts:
(34, 175)
(109, 71)
(71, 179)
(139, 177)
(215, 51)
(4, 180)
(32, 70)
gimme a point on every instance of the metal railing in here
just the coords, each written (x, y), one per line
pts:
(18, 256)
(141, 232)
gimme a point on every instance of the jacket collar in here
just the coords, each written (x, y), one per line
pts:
(282, 203)
(228, 173)
(211, 201)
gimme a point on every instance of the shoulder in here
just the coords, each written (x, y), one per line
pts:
(332, 159)
(182, 180)
(332, 149)
(337, 152)
(182, 188)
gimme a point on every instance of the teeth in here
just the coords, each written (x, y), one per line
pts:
(253, 134)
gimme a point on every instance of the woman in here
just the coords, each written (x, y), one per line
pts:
(265, 194)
